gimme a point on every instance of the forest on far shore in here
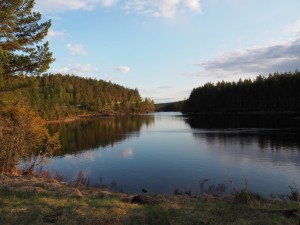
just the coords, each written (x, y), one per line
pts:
(55, 96)
(278, 92)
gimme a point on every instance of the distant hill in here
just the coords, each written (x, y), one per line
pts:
(56, 96)
(279, 92)
(169, 107)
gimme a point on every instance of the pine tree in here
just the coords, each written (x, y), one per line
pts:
(22, 50)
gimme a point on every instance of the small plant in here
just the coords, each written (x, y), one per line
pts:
(245, 196)
(177, 191)
(113, 187)
(80, 180)
(45, 174)
(202, 185)
(60, 177)
(52, 174)
(188, 192)
(215, 190)
(101, 184)
(294, 193)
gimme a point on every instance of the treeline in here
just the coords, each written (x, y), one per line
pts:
(56, 96)
(279, 92)
(169, 107)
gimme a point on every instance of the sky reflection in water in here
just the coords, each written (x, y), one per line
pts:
(164, 151)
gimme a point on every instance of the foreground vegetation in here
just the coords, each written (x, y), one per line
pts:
(278, 92)
(31, 200)
(23, 136)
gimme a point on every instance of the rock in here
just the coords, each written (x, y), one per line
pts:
(29, 177)
(53, 217)
(53, 187)
(4, 178)
(75, 193)
(20, 179)
(37, 190)
(142, 199)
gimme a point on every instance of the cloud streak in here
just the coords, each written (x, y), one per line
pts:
(64, 5)
(123, 69)
(156, 8)
(108, 3)
(76, 49)
(126, 153)
(161, 8)
(293, 28)
(274, 57)
(56, 34)
(67, 5)
(77, 69)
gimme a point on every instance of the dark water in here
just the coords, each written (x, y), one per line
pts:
(164, 151)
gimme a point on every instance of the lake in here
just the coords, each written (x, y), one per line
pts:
(164, 151)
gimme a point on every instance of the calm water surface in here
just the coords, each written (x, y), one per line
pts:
(164, 151)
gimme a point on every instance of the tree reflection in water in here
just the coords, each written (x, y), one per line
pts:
(87, 134)
(269, 131)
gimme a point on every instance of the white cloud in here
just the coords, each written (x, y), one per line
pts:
(76, 49)
(164, 87)
(126, 153)
(78, 69)
(165, 8)
(66, 5)
(293, 28)
(108, 3)
(123, 69)
(168, 7)
(273, 57)
(90, 156)
(56, 34)
(156, 8)
(193, 5)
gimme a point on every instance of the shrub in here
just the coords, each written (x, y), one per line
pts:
(23, 137)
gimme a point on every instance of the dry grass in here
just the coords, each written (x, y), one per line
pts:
(27, 206)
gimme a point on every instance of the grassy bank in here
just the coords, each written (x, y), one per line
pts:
(31, 200)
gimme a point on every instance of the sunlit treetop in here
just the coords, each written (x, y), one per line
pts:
(22, 49)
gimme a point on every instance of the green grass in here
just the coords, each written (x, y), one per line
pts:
(28, 207)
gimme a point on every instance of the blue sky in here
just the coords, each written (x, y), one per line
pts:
(165, 48)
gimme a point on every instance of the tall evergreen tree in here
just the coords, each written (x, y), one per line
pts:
(22, 49)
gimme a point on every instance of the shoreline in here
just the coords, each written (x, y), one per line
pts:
(78, 117)
(38, 200)
(64, 120)
(88, 116)
(250, 113)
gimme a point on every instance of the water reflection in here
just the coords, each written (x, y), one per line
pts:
(126, 153)
(270, 132)
(243, 121)
(275, 140)
(264, 149)
(161, 152)
(90, 134)
(252, 148)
